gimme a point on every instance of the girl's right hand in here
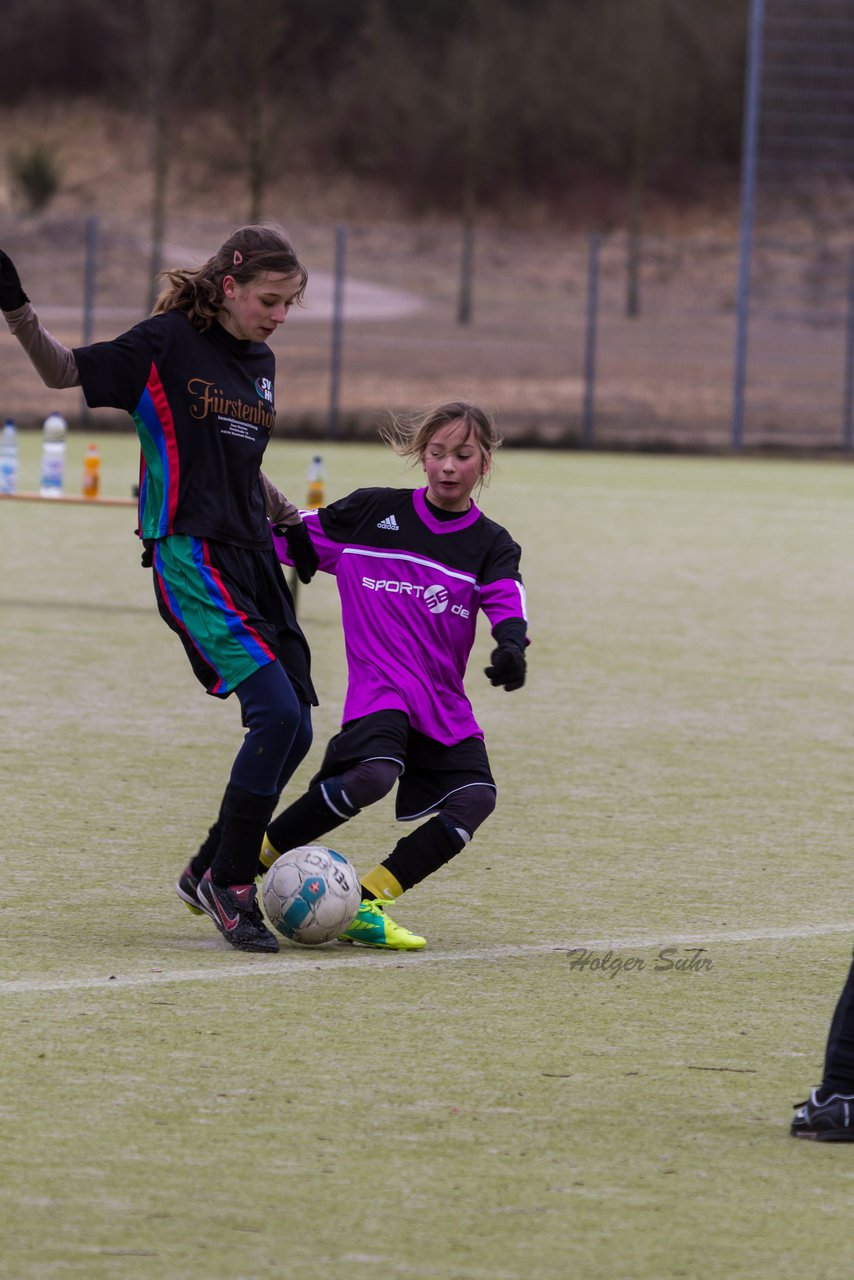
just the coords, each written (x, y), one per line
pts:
(12, 295)
(301, 549)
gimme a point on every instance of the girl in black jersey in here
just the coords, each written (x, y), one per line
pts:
(197, 378)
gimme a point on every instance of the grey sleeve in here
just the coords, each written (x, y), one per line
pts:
(279, 508)
(54, 363)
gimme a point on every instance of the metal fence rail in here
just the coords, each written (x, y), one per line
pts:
(538, 328)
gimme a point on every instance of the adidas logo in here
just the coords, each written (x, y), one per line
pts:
(388, 523)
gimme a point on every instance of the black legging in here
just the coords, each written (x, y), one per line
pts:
(278, 731)
(370, 780)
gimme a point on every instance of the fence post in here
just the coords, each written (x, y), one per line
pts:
(633, 257)
(588, 410)
(466, 274)
(90, 266)
(848, 403)
(337, 329)
(748, 191)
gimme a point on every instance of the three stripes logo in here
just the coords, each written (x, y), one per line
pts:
(389, 523)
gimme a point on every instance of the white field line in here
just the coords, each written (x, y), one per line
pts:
(291, 962)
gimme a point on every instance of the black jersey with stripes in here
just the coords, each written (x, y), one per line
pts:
(203, 406)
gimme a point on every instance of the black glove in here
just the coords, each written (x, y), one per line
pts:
(300, 548)
(147, 557)
(508, 667)
(12, 295)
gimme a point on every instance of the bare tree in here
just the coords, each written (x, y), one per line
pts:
(252, 35)
(648, 63)
(452, 102)
(169, 31)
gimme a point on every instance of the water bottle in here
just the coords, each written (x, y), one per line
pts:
(92, 472)
(9, 457)
(316, 477)
(53, 456)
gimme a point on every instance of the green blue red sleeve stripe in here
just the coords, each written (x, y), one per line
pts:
(158, 496)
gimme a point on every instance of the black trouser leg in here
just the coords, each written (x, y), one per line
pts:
(839, 1054)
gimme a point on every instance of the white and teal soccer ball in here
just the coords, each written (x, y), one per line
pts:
(311, 894)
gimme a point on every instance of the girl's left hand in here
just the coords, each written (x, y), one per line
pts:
(12, 295)
(508, 667)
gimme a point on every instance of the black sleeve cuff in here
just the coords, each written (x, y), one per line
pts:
(511, 631)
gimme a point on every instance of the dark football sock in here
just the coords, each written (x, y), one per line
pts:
(200, 862)
(427, 849)
(243, 823)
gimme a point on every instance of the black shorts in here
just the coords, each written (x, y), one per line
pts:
(232, 610)
(430, 770)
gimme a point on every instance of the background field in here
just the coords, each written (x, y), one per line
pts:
(676, 774)
(554, 368)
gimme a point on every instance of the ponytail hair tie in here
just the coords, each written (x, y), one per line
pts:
(237, 259)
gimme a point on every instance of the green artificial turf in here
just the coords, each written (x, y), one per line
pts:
(537, 1094)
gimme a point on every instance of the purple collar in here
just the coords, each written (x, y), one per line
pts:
(424, 513)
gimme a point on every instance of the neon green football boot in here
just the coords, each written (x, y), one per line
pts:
(373, 928)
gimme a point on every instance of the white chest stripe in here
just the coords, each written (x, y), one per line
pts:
(399, 555)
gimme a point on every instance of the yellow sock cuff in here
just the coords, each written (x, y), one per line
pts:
(268, 854)
(382, 883)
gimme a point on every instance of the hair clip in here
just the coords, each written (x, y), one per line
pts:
(237, 259)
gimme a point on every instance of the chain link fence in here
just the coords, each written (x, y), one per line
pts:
(570, 340)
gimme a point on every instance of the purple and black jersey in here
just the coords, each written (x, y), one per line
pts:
(203, 408)
(411, 586)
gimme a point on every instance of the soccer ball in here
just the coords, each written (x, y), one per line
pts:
(311, 894)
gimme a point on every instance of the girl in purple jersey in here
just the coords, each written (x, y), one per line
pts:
(414, 568)
(197, 378)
